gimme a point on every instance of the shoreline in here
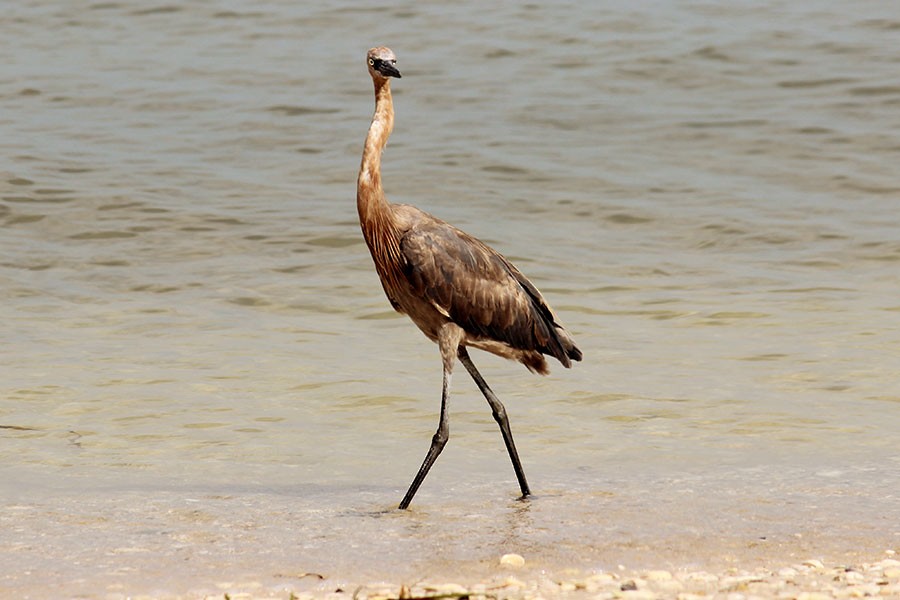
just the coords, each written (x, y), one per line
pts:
(179, 546)
(810, 579)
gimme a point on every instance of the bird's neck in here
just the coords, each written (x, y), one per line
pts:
(375, 215)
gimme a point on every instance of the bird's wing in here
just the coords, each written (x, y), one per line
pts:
(477, 288)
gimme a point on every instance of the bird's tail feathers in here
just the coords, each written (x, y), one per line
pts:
(567, 344)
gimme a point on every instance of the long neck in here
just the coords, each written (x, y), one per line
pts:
(376, 217)
(374, 210)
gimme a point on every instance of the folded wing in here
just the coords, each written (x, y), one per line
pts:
(481, 291)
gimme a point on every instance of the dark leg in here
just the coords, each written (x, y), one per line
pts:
(499, 416)
(437, 443)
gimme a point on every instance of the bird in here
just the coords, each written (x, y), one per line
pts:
(460, 292)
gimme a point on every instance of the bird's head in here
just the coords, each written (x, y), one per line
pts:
(382, 63)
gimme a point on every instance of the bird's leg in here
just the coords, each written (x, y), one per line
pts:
(499, 415)
(437, 442)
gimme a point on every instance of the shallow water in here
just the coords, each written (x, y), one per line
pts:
(202, 378)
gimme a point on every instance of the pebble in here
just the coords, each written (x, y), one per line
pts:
(810, 580)
(787, 572)
(629, 586)
(515, 561)
(853, 577)
(700, 577)
(448, 589)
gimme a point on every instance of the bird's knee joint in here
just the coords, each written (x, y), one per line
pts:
(440, 438)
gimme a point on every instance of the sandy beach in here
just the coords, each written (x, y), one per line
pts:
(809, 579)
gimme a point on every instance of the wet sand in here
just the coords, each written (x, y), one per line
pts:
(810, 579)
(629, 543)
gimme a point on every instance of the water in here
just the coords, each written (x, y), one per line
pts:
(202, 381)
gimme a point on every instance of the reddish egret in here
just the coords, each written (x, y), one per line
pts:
(455, 288)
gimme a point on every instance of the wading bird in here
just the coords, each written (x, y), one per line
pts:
(455, 288)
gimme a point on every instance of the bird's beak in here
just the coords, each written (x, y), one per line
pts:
(388, 70)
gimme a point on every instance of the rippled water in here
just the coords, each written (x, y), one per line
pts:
(202, 378)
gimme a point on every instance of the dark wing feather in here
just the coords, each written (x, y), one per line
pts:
(479, 289)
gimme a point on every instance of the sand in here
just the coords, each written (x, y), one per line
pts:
(807, 580)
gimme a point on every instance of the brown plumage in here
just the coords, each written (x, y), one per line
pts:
(454, 287)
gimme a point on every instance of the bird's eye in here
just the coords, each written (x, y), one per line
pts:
(372, 62)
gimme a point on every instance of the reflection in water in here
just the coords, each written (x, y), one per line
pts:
(512, 532)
